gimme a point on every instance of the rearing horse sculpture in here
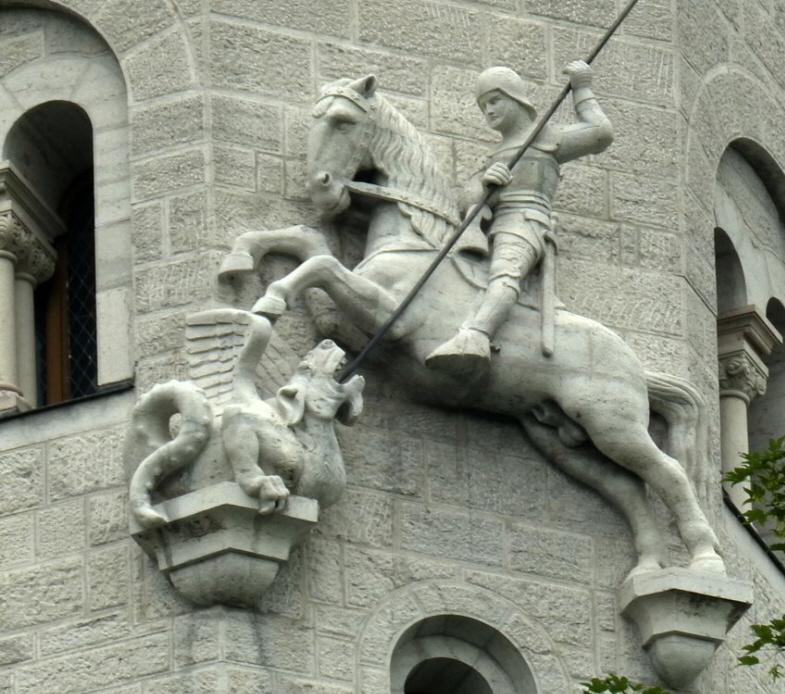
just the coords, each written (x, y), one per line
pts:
(586, 407)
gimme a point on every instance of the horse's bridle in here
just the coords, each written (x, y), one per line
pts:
(373, 190)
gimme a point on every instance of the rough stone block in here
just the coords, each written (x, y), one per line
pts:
(463, 536)
(659, 353)
(79, 634)
(588, 238)
(338, 621)
(583, 190)
(19, 50)
(247, 123)
(167, 125)
(638, 198)
(260, 61)
(155, 177)
(269, 174)
(642, 72)
(61, 529)
(97, 668)
(269, 640)
(653, 20)
(486, 480)
(40, 594)
(336, 658)
(565, 613)
(179, 283)
(360, 518)
(646, 140)
(250, 680)
(147, 222)
(189, 221)
(160, 334)
(392, 461)
(125, 25)
(160, 67)
(197, 637)
(17, 649)
(600, 13)
(550, 553)
(107, 577)
(421, 27)
(764, 39)
(85, 463)
(324, 578)
(21, 21)
(371, 575)
(453, 108)
(291, 685)
(234, 167)
(17, 543)
(660, 251)
(622, 298)
(202, 681)
(519, 45)
(396, 73)
(333, 19)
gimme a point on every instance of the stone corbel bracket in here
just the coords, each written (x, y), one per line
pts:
(682, 617)
(218, 549)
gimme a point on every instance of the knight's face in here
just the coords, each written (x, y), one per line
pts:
(501, 112)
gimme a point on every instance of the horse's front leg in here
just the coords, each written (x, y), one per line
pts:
(365, 302)
(248, 250)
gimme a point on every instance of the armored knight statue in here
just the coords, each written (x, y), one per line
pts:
(521, 230)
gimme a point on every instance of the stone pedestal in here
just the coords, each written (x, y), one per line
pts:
(682, 617)
(218, 549)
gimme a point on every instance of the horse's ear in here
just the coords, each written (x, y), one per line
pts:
(365, 85)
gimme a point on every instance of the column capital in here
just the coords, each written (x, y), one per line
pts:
(27, 225)
(745, 338)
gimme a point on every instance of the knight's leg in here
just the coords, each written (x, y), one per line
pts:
(367, 303)
(469, 350)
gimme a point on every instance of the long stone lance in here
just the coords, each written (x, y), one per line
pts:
(541, 123)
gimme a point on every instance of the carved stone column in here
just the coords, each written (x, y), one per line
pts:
(27, 258)
(745, 338)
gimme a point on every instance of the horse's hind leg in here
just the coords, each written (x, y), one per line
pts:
(629, 444)
(620, 487)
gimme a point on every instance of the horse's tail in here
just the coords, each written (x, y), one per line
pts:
(684, 410)
(150, 430)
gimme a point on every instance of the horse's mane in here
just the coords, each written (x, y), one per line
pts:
(400, 152)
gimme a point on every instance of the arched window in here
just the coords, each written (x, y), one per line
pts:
(65, 249)
(452, 654)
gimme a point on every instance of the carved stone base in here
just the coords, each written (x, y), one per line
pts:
(682, 617)
(217, 548)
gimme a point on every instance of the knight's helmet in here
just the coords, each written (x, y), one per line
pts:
(506, 81)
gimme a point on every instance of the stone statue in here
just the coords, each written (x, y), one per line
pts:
(586, 406)
(522, 222)
(269, 447)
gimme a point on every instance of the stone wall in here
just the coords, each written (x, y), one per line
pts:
(446, 512)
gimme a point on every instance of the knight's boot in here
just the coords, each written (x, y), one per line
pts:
(464, 354)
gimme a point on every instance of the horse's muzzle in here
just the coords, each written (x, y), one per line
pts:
(328, 193)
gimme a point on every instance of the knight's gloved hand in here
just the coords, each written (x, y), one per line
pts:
(580, 74)
(498, 174)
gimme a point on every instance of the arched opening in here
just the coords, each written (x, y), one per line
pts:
(445, 676)
(731, 287)
(452, 654)
(51, 146)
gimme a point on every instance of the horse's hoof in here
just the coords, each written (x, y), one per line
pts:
(235, 263)
(708, 564)
(271, 307)
(148, 518)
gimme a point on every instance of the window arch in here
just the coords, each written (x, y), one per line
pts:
(453, 654)
(64, 139)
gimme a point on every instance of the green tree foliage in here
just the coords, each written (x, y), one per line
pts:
(763, 472)
(613, 684)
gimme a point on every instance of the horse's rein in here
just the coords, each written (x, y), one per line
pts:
(372, 190)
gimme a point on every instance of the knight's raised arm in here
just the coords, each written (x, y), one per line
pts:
(594, 132)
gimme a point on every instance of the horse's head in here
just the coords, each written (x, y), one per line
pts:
(339, 139)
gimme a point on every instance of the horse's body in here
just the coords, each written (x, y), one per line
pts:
(586, 406)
